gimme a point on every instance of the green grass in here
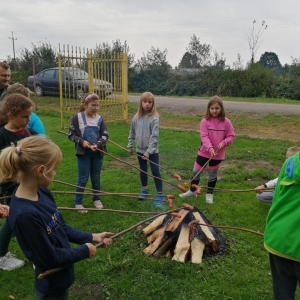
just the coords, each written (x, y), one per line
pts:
(122, 271)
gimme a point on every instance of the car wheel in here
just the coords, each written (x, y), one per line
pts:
(79, 94)
(39, 91)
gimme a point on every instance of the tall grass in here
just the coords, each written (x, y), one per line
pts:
(122, 271)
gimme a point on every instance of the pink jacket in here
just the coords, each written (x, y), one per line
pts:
(212, 132)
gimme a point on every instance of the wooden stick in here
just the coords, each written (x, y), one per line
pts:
(175, 175)
(102, 194)
(181, 188)
(191, 224)
(110, 210)
(52, 271)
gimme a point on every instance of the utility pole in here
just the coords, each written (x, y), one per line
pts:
(13, 40)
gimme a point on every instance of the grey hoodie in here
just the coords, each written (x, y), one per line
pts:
(144, 132)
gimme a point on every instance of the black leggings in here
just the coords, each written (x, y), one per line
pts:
(213, 167)
(154, 170)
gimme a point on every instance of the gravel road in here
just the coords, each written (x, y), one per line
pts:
(188, 106)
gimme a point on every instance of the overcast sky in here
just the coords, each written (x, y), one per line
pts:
(163, 24)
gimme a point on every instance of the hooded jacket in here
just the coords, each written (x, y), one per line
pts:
(281, 236)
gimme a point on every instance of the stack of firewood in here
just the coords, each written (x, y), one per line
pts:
(183, 236)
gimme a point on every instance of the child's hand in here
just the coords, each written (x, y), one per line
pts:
(86, 144)
(220, 146)
(94, 147)
(103, 237)
(92, 249)
(259, 189)
(4, 211)
(144, 157)
(212, 153)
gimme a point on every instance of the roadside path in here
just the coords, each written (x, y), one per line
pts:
(192, 106)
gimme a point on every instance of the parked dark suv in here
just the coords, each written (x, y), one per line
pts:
(75, 82)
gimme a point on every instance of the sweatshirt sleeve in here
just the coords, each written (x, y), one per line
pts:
(272, 183)
(229, 136)
(131, 137)
(36, 124)
(74, 134)
(204, 135)
(153, 141)
(103, 135)
(32, 236)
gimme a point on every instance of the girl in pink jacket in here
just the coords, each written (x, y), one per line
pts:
(216, 133)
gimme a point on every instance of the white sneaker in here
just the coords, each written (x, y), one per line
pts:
(189, 193)
(9, 262)
(209, 198)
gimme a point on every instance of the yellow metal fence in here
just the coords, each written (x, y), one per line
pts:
(82, 71)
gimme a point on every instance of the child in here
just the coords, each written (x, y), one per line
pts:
(268, 196)
(35, 122)
(89, 133)
(144, 132)
(15, 114)
(281, 236)
(39, 227)
(216, 133)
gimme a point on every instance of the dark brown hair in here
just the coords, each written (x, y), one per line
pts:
(13, 104)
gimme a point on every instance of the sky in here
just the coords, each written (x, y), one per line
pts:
(162, 24)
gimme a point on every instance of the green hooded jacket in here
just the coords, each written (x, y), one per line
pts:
(281, 236)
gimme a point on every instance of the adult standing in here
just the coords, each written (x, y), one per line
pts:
(5, 74)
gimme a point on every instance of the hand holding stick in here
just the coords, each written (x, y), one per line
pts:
(52, 271)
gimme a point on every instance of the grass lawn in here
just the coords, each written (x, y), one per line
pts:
(122, 271)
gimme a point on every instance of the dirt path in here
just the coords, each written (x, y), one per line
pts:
(198, 106)
(251, 111)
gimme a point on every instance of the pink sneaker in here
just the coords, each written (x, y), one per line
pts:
(81, 208)
(98, 204)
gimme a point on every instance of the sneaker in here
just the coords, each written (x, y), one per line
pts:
(98, 204)
(159, 200)
(9, 262)
(189, 193)
(143, 194)
(81, 209)
(209, 198)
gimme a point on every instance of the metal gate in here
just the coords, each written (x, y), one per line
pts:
(82, 71)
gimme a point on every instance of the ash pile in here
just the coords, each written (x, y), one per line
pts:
(184, 236)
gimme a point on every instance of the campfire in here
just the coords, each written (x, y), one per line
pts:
(183, 236)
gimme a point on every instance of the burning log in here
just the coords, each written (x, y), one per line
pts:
(182, 238)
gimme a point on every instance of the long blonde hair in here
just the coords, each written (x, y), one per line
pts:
(29, 153)
(147, 96)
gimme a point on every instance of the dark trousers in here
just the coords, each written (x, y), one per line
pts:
(154, 170)
(63, 296)
(285, 276)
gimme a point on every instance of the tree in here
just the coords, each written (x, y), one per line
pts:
(270, 60)
(153, 58)
(254, 39)
(44, 56)
(188, 61)
(107, 50)
(202, 51)
(238, 64)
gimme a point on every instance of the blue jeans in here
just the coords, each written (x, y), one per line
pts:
(89, 164)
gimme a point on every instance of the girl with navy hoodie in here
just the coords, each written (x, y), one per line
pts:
(38, 225)
(216, 133)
